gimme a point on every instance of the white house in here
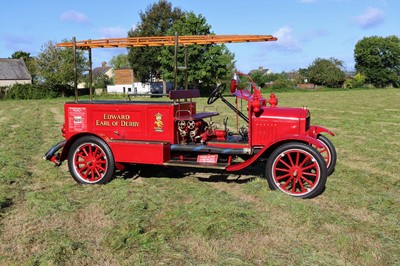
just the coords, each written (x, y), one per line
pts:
(103, 70)
(125, 83)
(140, 88)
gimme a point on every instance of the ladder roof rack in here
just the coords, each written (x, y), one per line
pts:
(152, 42)
(166, 41)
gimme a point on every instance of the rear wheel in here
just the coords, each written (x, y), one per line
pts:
(296, 169)
(90, 161)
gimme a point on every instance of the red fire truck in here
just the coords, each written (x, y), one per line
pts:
(101, 136)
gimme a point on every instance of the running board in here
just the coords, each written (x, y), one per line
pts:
(210, 149)
(220, 166)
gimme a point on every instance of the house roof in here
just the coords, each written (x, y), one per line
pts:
(13, 69)
(261, 69)
(292, 75)
(99, 71)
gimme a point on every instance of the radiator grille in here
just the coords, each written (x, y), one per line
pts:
(308, 122)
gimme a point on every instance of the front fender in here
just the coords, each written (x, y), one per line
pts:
(299, 138)
(314, 131)
(288, 138)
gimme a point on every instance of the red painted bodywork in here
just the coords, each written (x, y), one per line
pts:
(143, 132)
(272, 123)
(120, 120)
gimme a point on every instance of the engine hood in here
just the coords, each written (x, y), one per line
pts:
(276, 122)
(282, 113)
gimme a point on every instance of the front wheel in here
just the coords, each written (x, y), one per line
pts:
(328, 152)
(90, 161)
(297, 169)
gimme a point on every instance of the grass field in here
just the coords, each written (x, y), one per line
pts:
(205, 218)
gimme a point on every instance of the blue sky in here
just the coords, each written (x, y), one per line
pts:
(306, 29)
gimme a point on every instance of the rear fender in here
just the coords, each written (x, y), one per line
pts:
(70, 141)
(52, 154)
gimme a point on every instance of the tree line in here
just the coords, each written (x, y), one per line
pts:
(377, 58)
(377, 63)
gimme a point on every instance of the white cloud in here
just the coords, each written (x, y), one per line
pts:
(370, 18)
(75, 17)
(113, 32)
(287, 41)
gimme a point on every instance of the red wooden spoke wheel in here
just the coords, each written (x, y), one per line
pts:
(90, 161)
(297, 169)
(328, 152)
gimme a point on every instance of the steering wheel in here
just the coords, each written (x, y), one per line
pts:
(216, 94)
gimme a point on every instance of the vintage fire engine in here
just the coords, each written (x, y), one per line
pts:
(104, 135)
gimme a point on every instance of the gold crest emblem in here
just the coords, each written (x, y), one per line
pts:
(158, 123)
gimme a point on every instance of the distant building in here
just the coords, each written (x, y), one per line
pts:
(98, 72)
(103, 70)
(125, 83)
(293, 76)
(13, 71)
(157, 87)
(350, 74)
(123, 76)
(260, 69)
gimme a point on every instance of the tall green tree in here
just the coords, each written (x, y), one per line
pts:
(326, 72)
(30, 62)
(119, 61)
(259, 77)
(157, 20)
(56, 65)
(378, 58)
(207, 64)
(21, 55)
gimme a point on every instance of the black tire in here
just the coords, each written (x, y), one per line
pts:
(331, 152)
(90, 161)
(296, 169)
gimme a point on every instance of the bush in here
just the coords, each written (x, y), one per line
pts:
(326, 72)
(359, 80)
(102, 81)
(348, 84)
(2, 92)
(29, 91)
(282, 84)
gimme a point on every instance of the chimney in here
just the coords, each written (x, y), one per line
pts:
(104, 64)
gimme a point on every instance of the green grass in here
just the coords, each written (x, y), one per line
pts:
(205, 218)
